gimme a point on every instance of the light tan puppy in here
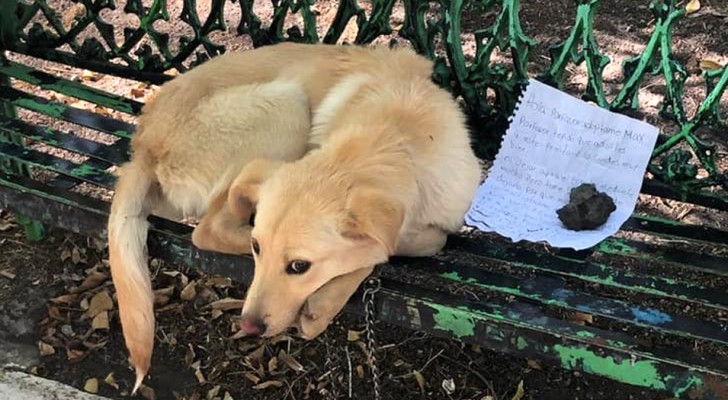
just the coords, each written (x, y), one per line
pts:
(390, 172)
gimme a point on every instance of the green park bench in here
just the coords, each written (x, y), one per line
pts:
(656, 300)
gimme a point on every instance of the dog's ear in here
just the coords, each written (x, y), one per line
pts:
(243, 193)
(373, 215)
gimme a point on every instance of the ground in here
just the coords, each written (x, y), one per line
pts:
(57, 311)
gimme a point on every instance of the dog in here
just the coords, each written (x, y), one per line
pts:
(348, 155)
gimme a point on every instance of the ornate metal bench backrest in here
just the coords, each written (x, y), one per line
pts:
(82, 36)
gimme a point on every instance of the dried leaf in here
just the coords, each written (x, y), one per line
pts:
(353, 335)
(252, 377)
(519, 392)
(65, 299)
(448, 385)
(267, 384)
(8, 274)
(101, 321)
(227, 396)
(227, 303)
(6, 226)
(692, 6)
(215, 314)
(94, 279)
(212, 393)
(291, 362)
(137, 93)
(399, 362)
(90, 76)
(360, 371)
(75, 355)
(708, 65)
(75, 256)
(189, 355)
(92, 385)
(533, 364)
(99, 303)
(219, 282)
(420, 379)
(272, 364)
(162, 296)
(46, 349)
(147, 392)
(102, 111)
(111, 381)
(581, 318)
(189, 292)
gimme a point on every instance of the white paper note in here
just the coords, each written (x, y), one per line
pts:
(554, 143)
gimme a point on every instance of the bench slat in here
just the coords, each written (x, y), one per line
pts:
(67, 113)
(706, 263)
(552, 291)
(88, 172)
(70, 88)
(515, 328)
(115, 154)
(594, 273)
(652, 224)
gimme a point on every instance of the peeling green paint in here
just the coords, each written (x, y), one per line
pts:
(585, 334)
(691, 383)
(521, 343)
(639, 373)
(616, 246)
(50, 109)
(458, 322)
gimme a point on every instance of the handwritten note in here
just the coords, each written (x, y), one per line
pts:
(554, 143)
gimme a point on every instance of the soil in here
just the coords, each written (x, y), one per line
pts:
(194, 359)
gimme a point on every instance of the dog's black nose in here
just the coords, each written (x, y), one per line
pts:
(252, 326)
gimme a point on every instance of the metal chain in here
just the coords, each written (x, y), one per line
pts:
(372, 286)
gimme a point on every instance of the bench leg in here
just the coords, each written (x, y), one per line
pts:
(34, 230)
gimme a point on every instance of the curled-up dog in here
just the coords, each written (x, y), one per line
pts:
(349, 155)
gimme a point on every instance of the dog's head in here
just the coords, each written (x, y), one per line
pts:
(311, 226)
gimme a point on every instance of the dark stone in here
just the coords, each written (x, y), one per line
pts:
(587, 209)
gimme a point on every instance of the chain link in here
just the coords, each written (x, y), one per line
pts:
(372, 286)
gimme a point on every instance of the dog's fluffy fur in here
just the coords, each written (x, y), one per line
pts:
(350, 155)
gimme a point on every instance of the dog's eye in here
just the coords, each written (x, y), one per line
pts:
(297, 267)
(256, 247)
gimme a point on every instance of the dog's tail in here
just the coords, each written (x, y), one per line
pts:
(127, 231)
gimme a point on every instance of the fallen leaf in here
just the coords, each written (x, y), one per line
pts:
(101, 321)
(189, 292)
(267, 384)
(162, 296)
(708, 65)
(99, 303)
(75, 355)
(92, 385)
(227, 396)
(291, 362)
(215, 314)
(533, 364)
(212, 393)
(94, 279)
(137, 93)
(219, 282)
(45, 349)
(448, 385)
(189, 355)
(273, 364)
(398, 363)
(353, 335)
(65, 299)
(420, 379)
(692, 6)
(75, 256)
(8, 273)
(102, 111)
(6, 226)
(147, 392)
(227, 303)
(581, 318)
(200, 378)
(90, 76)
(111, 381)
(360, 371)
(519, 391)
(252, 377)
